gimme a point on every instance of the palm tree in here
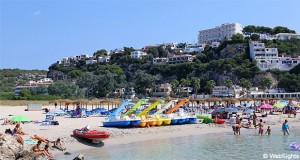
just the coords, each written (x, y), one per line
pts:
(245, 84)
(196, 83)
(228, 84)
(210, 85)
(266, 83)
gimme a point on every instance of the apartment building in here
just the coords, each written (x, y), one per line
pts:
(267, 58)
(138, 54)
(180, 59)
(193, 48)
(285, 36)
(218, 33)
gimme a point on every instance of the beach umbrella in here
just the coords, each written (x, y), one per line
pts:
(249, 111)
(266, 106)
(219, 111)
(279, 105)
(231, 109)
(20, 119)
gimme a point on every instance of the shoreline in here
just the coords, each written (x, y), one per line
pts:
(119, 136)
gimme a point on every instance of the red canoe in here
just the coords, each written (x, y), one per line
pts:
(219, 121)
(96, 136)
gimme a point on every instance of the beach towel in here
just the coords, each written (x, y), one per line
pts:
(30, 141)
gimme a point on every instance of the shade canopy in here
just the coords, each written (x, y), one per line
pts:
(20, 119)
(249, 111)
(266, 106)
(279, 105)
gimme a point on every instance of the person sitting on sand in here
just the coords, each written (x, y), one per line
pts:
(40, 138)
(46, 152)
(18, 129)
(36, 150)
(268, 131)
(8, 122)
(57, 144)
(16, 136)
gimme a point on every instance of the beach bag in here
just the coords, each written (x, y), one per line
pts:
(54, 123)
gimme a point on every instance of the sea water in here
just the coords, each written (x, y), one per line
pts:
(219, 146)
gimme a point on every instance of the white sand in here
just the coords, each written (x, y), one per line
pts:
(118, 136)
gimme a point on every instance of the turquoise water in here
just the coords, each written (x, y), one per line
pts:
(221, 146)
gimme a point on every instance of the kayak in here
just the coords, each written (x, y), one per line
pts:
(219, 121)
(295, 145)
(206, 119)
(94, 135)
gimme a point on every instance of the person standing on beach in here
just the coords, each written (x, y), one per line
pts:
(294, 113)
(237, 119)
(261, 127)
(285, 127)
(254, 119)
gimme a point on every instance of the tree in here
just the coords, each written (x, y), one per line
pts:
(196, 83)
(248, 30)
(143, 81)
(254, 37)
(245, 84)
(162, 52)
(88, 81)
(99, 53)
(128, 50)
(210, 85)
(75, 73)
(153, 51)
(66, 90)
(24, 93)
(280, 29)
(228, 84)
(237, 36)
(266, 82)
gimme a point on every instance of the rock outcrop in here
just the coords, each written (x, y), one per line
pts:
(10, 149)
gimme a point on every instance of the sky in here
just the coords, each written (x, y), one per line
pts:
(37, 33)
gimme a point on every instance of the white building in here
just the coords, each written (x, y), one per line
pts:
(274, 93)
(224, 31)
(160, 60)
(90, 61)
(193, 48)
(138, 54)
(223, 91)
(267, 58)
(172, 45)
(180, 59)
(104, 59)
(162, 90)
(285, 36)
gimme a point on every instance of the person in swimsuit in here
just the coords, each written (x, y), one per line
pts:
(285, 127)
(261, 127)
(268, 131)
(254, 119)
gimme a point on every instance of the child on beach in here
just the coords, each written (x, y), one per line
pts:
(285, 127)
(57, 144)
(268, 131)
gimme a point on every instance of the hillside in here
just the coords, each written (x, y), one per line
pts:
(9, 78)
(230, 61)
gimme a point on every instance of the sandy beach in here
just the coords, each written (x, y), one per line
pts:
(118, 135)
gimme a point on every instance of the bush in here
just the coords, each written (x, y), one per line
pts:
(7, 95)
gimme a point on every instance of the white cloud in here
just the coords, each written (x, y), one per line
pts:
(37, 12)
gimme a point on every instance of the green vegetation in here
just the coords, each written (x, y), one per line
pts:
(9, 78)
(250, 29)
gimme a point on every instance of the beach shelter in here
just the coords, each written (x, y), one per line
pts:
(20, 119)
(279, 105)
(266, 106)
